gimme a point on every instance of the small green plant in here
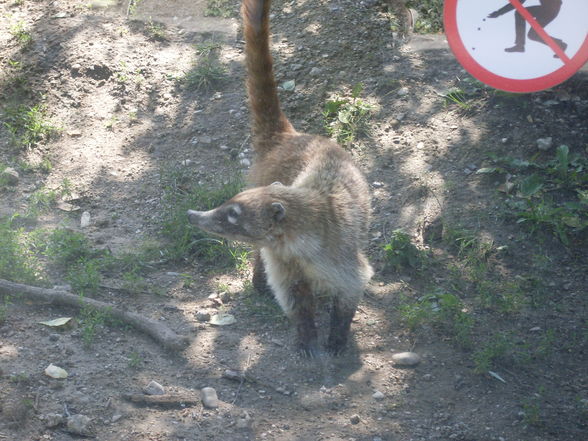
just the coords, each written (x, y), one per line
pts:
(4, 309)
(156, 31)
(28, 126)
(497, 349)
(84, 276)
(66, 247)
(532, 408)
(183, 239)
(346, 118)
(18, 263)
(133, 5)
(457, 96)
(445, 312)
(430, 15)
(91, 320)
(21, 34)
(221, 8)
(551, 195)
(206, 74)
(135, 360)
(400, 252)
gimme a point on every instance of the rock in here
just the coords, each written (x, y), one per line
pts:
(244, 422)
(406, 359)
(85, 219)
(74, 133)
(79, 425)
(209, 398)
(245, 162)
(378, 395)
(544, 143)
(315, 71)
(202, 316)
(205, 139)
(52, 420)
(115, 418)
(154, 388)
(9, 176)
(354, 419)
(403, 91)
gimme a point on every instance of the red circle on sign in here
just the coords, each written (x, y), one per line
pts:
(498, 81)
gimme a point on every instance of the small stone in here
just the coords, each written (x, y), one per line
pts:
(186, 162)
(244, 422)
(544, 143)
(205, 139)
(377, 184)
(154, 388)
(9, 176)
(420, 145)
(504, 140)
(378, 395)
(535, 329)
(315, 71)
(354, 419)
(74, 133)
(85, 219)
(245, 162)
(202, 316)
(167, 96)
(403, 91)
(53, 420)
(78, 425)
(209, 398)
(115, 418)
(406, 359)
(225, 296)
(224, 147)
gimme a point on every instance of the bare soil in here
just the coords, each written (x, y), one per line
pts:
(112, 88)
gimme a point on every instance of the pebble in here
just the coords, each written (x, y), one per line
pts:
(246, 162)
(53, 420)
(85, 219)
(315, 71)
(406, 359)
(78, 425)
(154, 388)
(354, 419)
(544, 143)
(9, 176)
(378, 395)
(209, 398)
(403, 91)
(202, 316)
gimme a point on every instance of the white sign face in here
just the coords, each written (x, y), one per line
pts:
(530, 44)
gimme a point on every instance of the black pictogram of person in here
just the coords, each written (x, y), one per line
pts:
(544, 13)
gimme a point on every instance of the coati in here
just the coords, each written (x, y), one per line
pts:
(308, 209)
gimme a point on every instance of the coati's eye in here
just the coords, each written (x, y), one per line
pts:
(233, 214)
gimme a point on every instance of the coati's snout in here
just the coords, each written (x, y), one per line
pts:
(250, 216)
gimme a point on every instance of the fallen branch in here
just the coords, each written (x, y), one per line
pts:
(158, 331)
(163, 400)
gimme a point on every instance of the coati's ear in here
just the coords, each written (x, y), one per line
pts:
(278, 211)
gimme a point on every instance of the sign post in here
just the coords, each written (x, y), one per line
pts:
(518, 45)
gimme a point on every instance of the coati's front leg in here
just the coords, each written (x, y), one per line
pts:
(302, 315)
(341, 317)
(259, 278)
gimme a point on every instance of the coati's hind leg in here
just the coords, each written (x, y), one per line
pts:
(341, 315)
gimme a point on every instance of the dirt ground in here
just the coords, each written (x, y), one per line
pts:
(108, 77)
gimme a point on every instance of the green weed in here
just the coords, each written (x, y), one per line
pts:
(21, 34)
(18, 262)
(206, 74)
(28, 126)
(184, 240)
(430, 18)
(91, 321)
(156, 31)
(135, 360)
(400, 252)
(221, 8)
(496, 349)
(546, 195)
(346, 118)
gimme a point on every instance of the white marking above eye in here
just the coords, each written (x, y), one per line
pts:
(237, 208)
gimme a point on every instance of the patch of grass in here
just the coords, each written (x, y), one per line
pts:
(156, 31)
(400, 252)
(445, 312)
(547, 195)
(21, 33)
(207, 71)
(496, 349)
(346, 117)
(91, 320)
(28, 126)
(135, 360)
(430, 15)
(221, 8)
(186, 241)
(259, 305)
(18, 262)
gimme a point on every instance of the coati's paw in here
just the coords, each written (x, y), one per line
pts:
(309, 350)
(336, 346)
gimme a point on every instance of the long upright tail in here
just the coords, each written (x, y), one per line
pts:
(268, 119)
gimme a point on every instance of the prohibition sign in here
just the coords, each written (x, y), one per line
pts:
(550, 40)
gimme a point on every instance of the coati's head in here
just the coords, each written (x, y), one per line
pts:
(252, 216)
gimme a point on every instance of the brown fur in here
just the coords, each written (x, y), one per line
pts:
(310, 225)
